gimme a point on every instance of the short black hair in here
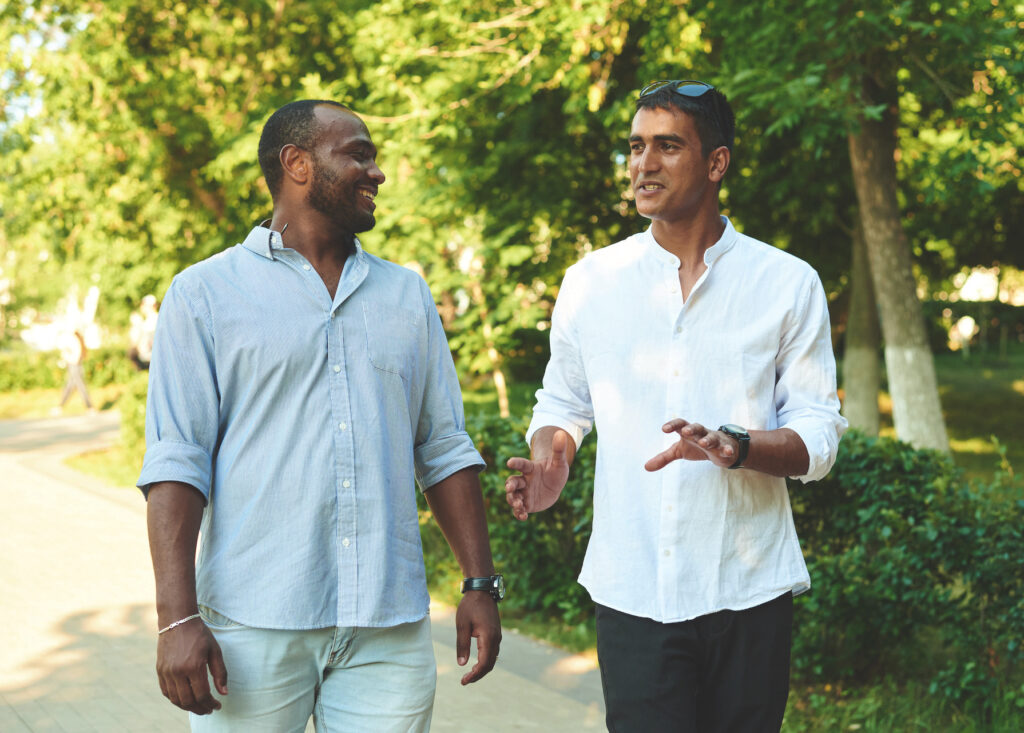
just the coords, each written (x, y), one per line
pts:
(711, 113)
(293, 124)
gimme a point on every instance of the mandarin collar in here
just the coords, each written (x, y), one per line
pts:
(711, 255)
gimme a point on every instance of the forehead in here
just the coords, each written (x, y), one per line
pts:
(649, 122)
(338, 126)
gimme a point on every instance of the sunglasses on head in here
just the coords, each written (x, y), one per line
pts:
(685, 87)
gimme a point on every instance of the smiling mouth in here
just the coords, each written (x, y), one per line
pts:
(648, 187)
(367, 193)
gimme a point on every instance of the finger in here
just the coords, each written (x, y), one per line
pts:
(163, 683)
(559, 446)
(693, 431)
(218, 670)
(461, 642)
(486, 656)
(514, 484)
(661, 460)
(182, 693)
(205, 702)
(674, 425)
(523, 465)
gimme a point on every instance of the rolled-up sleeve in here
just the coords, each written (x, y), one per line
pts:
(805, 391)
(182, 406)
(442, 445)
(564, 400)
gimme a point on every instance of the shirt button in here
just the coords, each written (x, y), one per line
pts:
(668, 553)
(345, 542)
(668, 508)
(675, 372)
(305, 267)
(346, 483)
(337, 368)
(342, 426)
(679, 329)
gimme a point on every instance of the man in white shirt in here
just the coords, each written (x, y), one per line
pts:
(687, 341)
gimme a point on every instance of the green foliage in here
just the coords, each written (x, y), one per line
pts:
(541, 558)
(997, 323)
(29, 370)
(132, 407)
(22, 369)
(915, 572)
(909, 563)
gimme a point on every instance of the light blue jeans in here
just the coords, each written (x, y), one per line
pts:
(350, 679)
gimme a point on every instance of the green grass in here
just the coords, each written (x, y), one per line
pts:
(885, 708)
(30, 404)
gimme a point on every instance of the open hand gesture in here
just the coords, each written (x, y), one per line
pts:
(539, 482)
(696, 443)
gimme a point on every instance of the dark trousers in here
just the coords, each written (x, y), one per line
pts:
(725, 672)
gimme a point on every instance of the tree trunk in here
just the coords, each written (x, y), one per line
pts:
(917, 412)
(862, 371)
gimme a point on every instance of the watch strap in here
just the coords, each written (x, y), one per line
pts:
(743, 441)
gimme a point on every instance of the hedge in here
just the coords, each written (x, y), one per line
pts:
(22, 369)
(915, 573)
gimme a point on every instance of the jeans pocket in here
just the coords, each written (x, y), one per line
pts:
(216, 620)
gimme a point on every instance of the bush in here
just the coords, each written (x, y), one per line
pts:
(914, 572)
(23, 369)
(132, 406)
(541, 557)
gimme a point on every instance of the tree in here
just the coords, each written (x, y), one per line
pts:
(841, 73)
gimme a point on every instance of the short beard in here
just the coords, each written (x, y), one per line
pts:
(326, 193)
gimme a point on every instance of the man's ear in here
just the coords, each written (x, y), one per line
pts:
(719, 164)
(297, 164)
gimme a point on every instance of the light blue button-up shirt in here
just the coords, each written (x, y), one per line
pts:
(306, 423)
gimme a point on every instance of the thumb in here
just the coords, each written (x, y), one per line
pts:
(218, 670)
(559, 446)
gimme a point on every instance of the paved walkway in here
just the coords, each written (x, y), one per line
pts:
(77, 623)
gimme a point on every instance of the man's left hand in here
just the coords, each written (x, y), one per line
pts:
(477, 618)
(696, 443)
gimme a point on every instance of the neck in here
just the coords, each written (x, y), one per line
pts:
(313, 237)
(689, 240)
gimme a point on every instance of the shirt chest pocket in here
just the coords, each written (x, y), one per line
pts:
(393, 338)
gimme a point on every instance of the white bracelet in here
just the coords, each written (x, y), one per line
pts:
(179, 622)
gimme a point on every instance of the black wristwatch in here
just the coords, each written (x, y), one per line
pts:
(742, 437)
(495, 585)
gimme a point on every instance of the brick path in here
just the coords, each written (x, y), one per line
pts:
(77, 622)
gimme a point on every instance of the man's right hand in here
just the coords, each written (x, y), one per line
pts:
(183, 655)
(539, 482)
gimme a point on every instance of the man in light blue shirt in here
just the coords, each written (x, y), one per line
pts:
(299, 389)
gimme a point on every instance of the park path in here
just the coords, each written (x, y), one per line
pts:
(77, 624)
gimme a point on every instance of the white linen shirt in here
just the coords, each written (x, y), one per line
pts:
(751, 345)
(305, 422)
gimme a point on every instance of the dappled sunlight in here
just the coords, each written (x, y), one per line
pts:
(972, 445)
(91, 665)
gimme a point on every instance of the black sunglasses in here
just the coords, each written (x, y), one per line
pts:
(685, 87)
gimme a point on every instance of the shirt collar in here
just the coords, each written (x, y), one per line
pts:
(711, 255)
(263, 241)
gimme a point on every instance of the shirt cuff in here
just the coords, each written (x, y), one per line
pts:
(548, 419)
(439, 459)
(172, 461)
(821, 450)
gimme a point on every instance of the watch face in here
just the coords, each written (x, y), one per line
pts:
(499, 587)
